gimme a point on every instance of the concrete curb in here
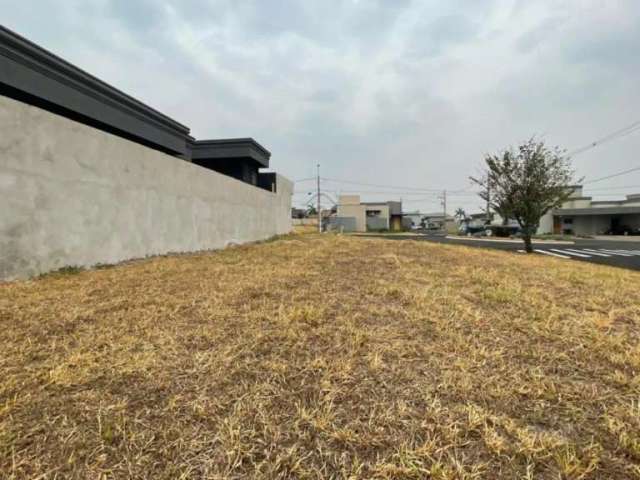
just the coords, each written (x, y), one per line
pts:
(378, 234)
(617, 238)
(495, 240)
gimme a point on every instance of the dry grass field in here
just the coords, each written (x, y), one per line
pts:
(323, 357)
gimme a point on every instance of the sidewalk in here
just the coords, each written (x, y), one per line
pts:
(618, 238)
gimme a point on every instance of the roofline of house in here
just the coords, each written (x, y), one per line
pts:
(230, 148)
(35, 75)
(613, 210)
(233, 142)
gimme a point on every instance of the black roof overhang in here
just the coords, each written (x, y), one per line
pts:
(234, 148)
(614, 210)
(32, 70)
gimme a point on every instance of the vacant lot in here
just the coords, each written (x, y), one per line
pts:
(332, 357)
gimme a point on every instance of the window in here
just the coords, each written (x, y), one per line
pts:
(568, 221)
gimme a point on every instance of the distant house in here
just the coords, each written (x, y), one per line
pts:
(354, 215)
(436, 220)
(413, 218)
(240, 158)
(580, 215)
(298, 212)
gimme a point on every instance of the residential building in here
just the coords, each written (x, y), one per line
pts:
(89, 174)
(299, 212)
(240, 158)
(436, 220)
(415, 218)
(360, 216)
(580, 215)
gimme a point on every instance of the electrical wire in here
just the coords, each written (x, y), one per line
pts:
(629, 129)
(621, 187)
(413, 189)
(635, 169)
(304, 179)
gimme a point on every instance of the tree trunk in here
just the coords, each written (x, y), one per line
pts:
(527, 243)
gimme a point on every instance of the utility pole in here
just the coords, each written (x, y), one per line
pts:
(444, 205)
(318, 193)
(488, 202)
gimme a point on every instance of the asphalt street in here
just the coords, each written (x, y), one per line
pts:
(620, 253)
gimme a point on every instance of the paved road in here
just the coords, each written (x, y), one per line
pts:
(625, 254)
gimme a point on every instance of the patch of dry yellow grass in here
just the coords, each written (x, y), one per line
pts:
(305, 229)
(323, 357)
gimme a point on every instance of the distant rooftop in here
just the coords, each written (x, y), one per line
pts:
(230, 148)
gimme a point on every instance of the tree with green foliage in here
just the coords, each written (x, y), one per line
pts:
(461, 216)
(527, 182)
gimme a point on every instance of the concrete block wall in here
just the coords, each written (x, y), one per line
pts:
(377, 223)
(305, 221)
(75, 195)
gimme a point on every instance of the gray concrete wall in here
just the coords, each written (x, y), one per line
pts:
(74, 195)
(305, 221)
(377, 223)
(342, 224)
(589, 224)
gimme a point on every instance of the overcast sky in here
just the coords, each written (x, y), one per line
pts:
(386, 92)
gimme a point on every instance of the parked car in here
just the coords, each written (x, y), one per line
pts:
(623, 230)
(474, 230)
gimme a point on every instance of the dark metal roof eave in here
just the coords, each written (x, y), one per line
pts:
(230, 149)
(29, 68)
(233, 141)
(50, 82)
(597, 211)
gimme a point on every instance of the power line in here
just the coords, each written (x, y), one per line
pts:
(629, 129)
(403, 188)
(617, 195)
(304, 180)
(380, 186)
(390, 192)
(612, 175)
(621, 187)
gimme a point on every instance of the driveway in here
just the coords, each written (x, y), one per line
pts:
(618, 253)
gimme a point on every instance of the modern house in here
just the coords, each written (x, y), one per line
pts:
(354, 215)
(240, 158)
(413, 219)
(436, 220)
(580, 215)
(89, 174)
